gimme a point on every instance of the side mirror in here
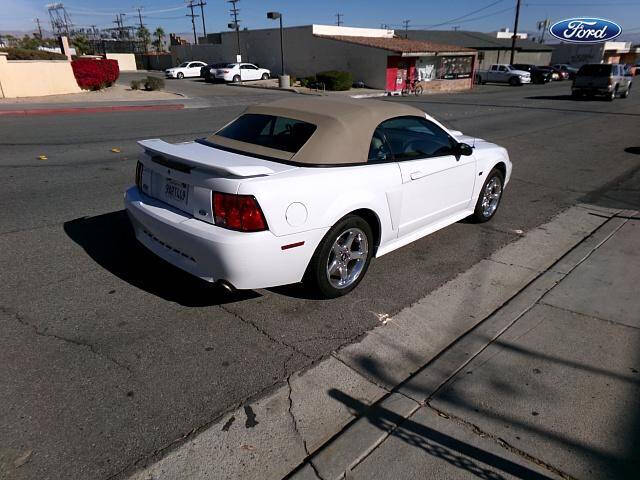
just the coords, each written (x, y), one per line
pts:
(463, 149)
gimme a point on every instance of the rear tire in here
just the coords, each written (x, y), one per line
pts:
(490, 197)
(627, 92)
(265, 76)
(335, 247)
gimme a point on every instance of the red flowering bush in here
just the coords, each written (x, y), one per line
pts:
(94, 74)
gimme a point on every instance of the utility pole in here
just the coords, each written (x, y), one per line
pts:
(39, 28)
(201, 4)
(515, 32)
(339, 19)
(236, 23)
(455, 28)
(406, 27)
(140, 16)
(193, 22)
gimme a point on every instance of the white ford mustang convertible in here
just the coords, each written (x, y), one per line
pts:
(309, 189)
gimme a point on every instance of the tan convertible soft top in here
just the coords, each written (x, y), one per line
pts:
(344, 128)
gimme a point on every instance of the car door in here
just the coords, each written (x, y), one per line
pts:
(493, 73)
(503, 73)
(194, 69)
(436, 183)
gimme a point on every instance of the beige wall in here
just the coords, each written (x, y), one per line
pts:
(126, 61)
(34, 78)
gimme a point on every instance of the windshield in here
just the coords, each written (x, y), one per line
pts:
(183, 64)
(595, 70)
(230, 65)
(280, 133)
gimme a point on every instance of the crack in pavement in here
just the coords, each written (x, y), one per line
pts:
(265, 333)
(295, 428)
(500, 441)
(72, 341)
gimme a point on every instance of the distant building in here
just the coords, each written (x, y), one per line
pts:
(376, 57)
(577, 54)
(490, 48)
(176, 40)
(505, 33)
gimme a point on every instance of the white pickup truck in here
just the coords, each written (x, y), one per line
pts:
(503, 73)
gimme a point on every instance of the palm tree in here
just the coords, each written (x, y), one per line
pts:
(159, 34)
(144, 36)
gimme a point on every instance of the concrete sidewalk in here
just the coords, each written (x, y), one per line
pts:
(548, 386)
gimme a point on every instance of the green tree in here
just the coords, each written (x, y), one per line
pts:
(144, 36)
(29, 43)
(81, 43)
(159, 34)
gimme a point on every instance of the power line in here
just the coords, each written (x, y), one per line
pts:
(454, 20)
(339, 21)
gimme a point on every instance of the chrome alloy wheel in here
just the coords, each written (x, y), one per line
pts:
(491, 196)
(347, 258)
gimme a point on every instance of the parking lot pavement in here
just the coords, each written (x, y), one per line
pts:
(110, 355)
(201, 94)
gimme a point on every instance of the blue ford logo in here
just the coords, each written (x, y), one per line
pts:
(585, 30)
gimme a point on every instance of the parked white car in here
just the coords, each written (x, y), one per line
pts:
(186, 69)
(309, 189)
(236, 72)
(502, 73)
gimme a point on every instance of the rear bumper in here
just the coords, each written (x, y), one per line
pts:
(593, 90)
(245, 260)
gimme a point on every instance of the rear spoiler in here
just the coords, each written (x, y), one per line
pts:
(220, 161)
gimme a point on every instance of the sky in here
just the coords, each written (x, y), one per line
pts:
(478, 15)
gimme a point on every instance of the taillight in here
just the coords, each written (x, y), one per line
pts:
(238, 212)
(139, 169)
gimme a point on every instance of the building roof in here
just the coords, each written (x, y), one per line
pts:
(344, 128)
(400, 45)
(476, 40)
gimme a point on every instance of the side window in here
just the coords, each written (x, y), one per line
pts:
(494, 67)
(503, 68)
(416, 137)
(379, 150)
(252, 67)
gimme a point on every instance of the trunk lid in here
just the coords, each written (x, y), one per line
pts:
(184, 175)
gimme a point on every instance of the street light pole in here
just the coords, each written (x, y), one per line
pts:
(274, 16)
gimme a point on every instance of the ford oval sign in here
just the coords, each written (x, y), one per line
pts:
(585, 30)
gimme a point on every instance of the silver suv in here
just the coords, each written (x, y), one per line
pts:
(608, 79)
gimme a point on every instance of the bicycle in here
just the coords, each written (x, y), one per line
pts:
(412, 86)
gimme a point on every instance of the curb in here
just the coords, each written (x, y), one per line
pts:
(309, 426)
(76, 110)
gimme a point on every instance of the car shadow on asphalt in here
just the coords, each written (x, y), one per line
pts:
(109, 240)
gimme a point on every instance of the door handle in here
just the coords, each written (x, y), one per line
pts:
(417, 175)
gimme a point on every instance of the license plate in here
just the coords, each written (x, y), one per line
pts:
(176, 193)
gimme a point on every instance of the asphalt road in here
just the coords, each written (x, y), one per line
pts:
(108, 354)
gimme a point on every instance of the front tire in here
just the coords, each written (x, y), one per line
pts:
(514, 81)
(180, 75)
(236, 79)
(265, 76)
(612, 96)
(342, 258)
(489, 198)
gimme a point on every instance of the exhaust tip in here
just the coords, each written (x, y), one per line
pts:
(227, 286)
